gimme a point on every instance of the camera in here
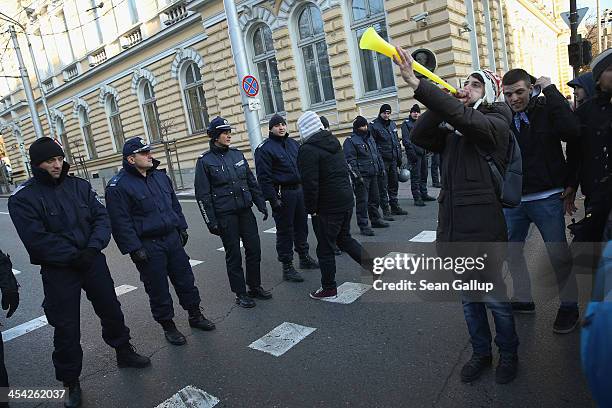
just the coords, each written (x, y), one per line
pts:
(421, 17)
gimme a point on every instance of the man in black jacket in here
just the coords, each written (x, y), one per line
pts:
(10, 301)
(385, 134)
(470, 210)
(540, 124)
(328, 197)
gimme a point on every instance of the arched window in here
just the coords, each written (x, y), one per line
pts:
(149, 111)
(87, 135)
(264, 58)
(62, 136)
(311, 41)
(195, 99)
(114, 120)
(377, 71)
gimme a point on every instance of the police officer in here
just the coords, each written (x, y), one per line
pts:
(385, 134)
(10, 301)
(417, 160)
(148, 224)
(279, 179)
(365, 164)
(64, 228)
(226, 190)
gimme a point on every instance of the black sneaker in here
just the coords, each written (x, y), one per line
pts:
(337, 251)
(243, 300)
(475, 367)
(72, 399)
(397, 210)
(172, 334)
(198, 321)
(566, 321)
(523, 307)
(379, 224)
(259, 293)
(290, 274)
(506, 368)
(419, 203)
(324, 294)
(307, 262)
(367, 231)
(387, 215)
(128, 357)
(429, 198)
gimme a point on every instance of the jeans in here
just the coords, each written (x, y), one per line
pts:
(547, 215)
(478, 325)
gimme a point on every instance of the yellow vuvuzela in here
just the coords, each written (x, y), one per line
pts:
(370, 40)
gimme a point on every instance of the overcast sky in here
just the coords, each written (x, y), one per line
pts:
(592, 5)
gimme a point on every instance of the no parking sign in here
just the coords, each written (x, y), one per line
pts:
(250, 86)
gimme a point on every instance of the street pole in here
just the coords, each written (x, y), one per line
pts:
(489, 33)
(242, 70)
(27, 86)
(43, 97)
(599, 47)
(573, 18)
(469, 4)
(502, 33)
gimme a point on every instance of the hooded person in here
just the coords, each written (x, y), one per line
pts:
(470, 216)
(328, 197)
(584, 88)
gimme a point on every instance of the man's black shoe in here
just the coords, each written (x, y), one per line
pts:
(397, 210)
(290, 274)
(243, 300)
(506, 368)
(387, 215)
(475, 367)
(72, 399)
(307, 262)
(419, 203)
(566, 321)
(128, 357)
(429, 198)
(172, 334)
(259, 293)
(337, 251)
(198, 321)
(436, 185)
(523, 307)
(367, 231)
(379, 224)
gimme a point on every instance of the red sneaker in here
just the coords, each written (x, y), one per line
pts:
(324, 293)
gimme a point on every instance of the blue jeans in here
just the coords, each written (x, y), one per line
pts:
(547, 215)
(478, 325)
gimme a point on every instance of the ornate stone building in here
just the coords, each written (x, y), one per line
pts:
(160, 69)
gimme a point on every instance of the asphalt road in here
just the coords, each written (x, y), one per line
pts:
(375, 352)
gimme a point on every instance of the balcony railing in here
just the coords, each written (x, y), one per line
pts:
(97, 57)
(131, 38)
(174, 13)
(70, 72)
(48, 85)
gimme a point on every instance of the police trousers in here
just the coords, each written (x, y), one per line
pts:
(418, 177)
(367, 200)
(291, 225)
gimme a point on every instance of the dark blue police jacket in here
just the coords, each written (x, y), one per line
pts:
(276, 164)
(387, 140)
(224, 183)
(362, 155)
(142, 207)
(57, 219)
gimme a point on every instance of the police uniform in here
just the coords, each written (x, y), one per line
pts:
(417, 160)
(366, 165)
(387, 141)
(64, 227)
(225, 190)
(148, 223)
(10, 301)
(279, 179)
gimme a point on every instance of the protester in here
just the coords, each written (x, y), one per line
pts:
(470, 210)
(435, 170)
(584, 88)
(10, 302)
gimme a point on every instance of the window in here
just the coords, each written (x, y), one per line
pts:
(62, 39)
(87, 135)
(377, 72)
(62, 136)
(194, 98)
(314, 54)
(265, 60)
(149, 111)
(114, 120)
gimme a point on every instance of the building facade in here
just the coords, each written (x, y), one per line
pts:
(161, 69)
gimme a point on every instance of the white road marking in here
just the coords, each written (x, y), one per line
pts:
(16, 272)
(309, 216)
(194, 262)
(222, 249)
(282, 338)
(425, 236)
(394, 254)
(349, 292)
(41, 321)
(271, 231)
(190, 397)
(5, 213)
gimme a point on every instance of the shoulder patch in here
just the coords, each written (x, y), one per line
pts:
(20, 187)
(262, 143)
(204, 154)
(113, 182)
(234, 148)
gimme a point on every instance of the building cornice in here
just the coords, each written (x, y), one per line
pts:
(540, 15)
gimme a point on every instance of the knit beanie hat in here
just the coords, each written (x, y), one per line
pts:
(384, 108)
(600, 63)
(275, 120)
(360, 121)
(415, 108)
(492, 86)
(43, 149)
(309, 124)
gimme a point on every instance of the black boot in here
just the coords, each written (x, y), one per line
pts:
(387, 215)
(379, 224)
(172, 334)
(397, 210)
(306, 262)
(506, 368)
(259, 293)
(290, 274)
(475, 367)
(72, 398)
(243, 300)
(128, 357)
(419, 203)
(367, 231)
(197, 320)
(429, 198)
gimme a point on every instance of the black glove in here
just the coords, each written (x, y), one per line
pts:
(264, 211)
(276, 205)
(184, 237)
(85, 259)
(139, 256)
(10, 301)
(215, 229)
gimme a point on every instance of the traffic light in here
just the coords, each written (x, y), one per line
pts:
(586, 52)
(575, 54)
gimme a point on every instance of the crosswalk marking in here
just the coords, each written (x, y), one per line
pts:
(16, 272)
(222, 249)
(271, 230)
(194, 262)
(190, 397)
(4, 213)
(282, 338)
(349, 292)
(41, 321)
(425, 236)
